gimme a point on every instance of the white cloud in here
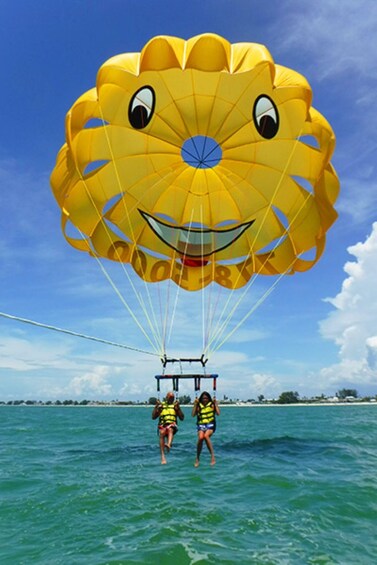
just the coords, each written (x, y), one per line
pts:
(92, 383)
(353, 323)
(22, 354)
(133, 389)
(350, 49)
(261, 383)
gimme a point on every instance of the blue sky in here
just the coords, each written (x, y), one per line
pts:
(316, 333)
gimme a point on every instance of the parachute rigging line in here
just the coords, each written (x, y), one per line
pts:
(246, 316)
(154, 330)
(179, 286)
(222, 326)
(165, 337)
(125, 303)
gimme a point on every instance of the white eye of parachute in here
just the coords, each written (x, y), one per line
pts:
(266, 117)
(140, 110)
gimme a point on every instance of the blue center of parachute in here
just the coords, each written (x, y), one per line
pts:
(201, 152)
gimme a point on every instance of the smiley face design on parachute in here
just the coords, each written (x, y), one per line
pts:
(198, 161)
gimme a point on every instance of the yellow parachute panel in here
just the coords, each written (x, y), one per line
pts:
(198, 161)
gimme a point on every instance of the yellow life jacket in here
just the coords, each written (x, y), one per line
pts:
(206, 414)
(167, 415)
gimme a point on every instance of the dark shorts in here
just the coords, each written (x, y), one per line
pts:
(205, 427)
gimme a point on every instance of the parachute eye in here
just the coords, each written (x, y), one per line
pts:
(140, 110)
(266, 117)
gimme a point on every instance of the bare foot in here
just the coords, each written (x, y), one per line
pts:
(163, 461)
(196, 464)
(213, 461)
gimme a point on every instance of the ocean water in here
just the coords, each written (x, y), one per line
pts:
(292, 485)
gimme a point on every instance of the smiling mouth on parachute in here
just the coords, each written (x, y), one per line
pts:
(195, 243)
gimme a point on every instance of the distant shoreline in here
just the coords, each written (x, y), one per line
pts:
(226, 405)
(250, 405)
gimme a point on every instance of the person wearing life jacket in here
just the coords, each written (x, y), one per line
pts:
(167, 412)
(205, 409)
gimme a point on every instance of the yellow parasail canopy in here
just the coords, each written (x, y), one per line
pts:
(198, 161)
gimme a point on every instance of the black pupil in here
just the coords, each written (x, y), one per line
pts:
(139, 117)
(267, 127)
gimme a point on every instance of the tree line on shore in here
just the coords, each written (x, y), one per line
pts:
(287, 397)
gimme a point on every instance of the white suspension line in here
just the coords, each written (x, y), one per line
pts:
(249, 313)
(154, 329)
(179, 288)
(221, 327)
(203, 290)
(155, 346)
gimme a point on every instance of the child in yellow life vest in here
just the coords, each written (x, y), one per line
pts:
(206, 410)
(167, 412)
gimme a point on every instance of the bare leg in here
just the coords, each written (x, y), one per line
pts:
(207, 438)
(199, 448)
(162, 448)
(170, 438)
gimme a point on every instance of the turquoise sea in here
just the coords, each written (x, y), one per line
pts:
(292, 485)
